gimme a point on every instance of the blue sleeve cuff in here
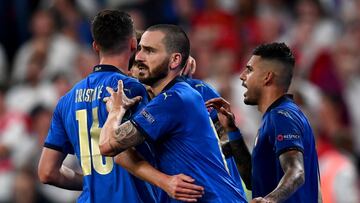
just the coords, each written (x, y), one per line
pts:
(234, 135)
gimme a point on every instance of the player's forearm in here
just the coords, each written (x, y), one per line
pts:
(64, 178)
(140, 168)
(290, 182)
(69, 179)
(292, 163)
(107, 141)
(242, 156)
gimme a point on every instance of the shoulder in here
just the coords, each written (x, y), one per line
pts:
(172, 97)
(183, 89)
(280, 113)
(133, 86)
(195, 83)
(205, 89)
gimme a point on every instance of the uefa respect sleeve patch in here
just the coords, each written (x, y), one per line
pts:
(148, 117)
(287, 137)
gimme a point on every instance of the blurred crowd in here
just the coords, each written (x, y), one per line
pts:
(46, 46)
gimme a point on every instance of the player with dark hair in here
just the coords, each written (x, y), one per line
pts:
(176, 120)
(284, 159)
(79, 116)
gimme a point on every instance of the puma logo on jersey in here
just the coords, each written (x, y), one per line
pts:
(166, 95)
(127, 90)
(284, 113)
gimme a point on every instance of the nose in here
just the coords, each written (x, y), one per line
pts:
(139, 56)
(242, 76)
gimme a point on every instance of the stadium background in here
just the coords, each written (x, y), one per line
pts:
(45, 47)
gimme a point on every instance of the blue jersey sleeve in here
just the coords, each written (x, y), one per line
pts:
(159, 117)
(208, 92)
(287, 133)
(57, 138)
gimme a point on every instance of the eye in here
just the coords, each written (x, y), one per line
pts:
(150, 50)
(249, 69)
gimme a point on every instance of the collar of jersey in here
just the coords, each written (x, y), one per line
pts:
(173, 82)
(106, 68)
(279, 101)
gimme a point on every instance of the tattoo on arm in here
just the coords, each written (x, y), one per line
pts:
(126, 136)
(242, 158)
(240, 152)
(220, 131)
(292, 163)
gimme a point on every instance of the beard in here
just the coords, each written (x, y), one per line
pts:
(249, 102)
(251, 98)
(150, 77)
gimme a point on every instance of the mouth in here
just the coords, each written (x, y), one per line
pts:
(142, 67)
(244, 85)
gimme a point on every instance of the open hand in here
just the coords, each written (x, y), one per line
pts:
(226, 117)
(118, 101)
(181, 187)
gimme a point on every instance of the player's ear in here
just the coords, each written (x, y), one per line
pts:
(133, 44)
(269, 77)
(96, 47)
(175, 60)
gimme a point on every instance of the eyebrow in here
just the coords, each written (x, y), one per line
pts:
(147, 47)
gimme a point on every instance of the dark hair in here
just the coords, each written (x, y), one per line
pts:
(111, 29)
(175, 40)
(138, 34)
(281, 53)
(37, 110)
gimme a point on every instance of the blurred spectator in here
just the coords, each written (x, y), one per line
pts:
(334, 122)
(40, 122)
(26, 189)
(337, 169)
(311, 33)
(85, 59)
(338, 175)
(61, 84)
(220, 70)
(71, 22)
(212, 28)
(59, 50)
(24, 96)
(14, 16)
(14, 145)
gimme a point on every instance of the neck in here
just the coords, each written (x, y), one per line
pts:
(269, 96)
(160, 85)
(121, 61)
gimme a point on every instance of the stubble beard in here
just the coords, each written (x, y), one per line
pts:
(158, 73)
(252, 101)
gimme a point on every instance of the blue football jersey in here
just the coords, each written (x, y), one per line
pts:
(178, 124)
(207, 92)
(284, 127)
(75, 128)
